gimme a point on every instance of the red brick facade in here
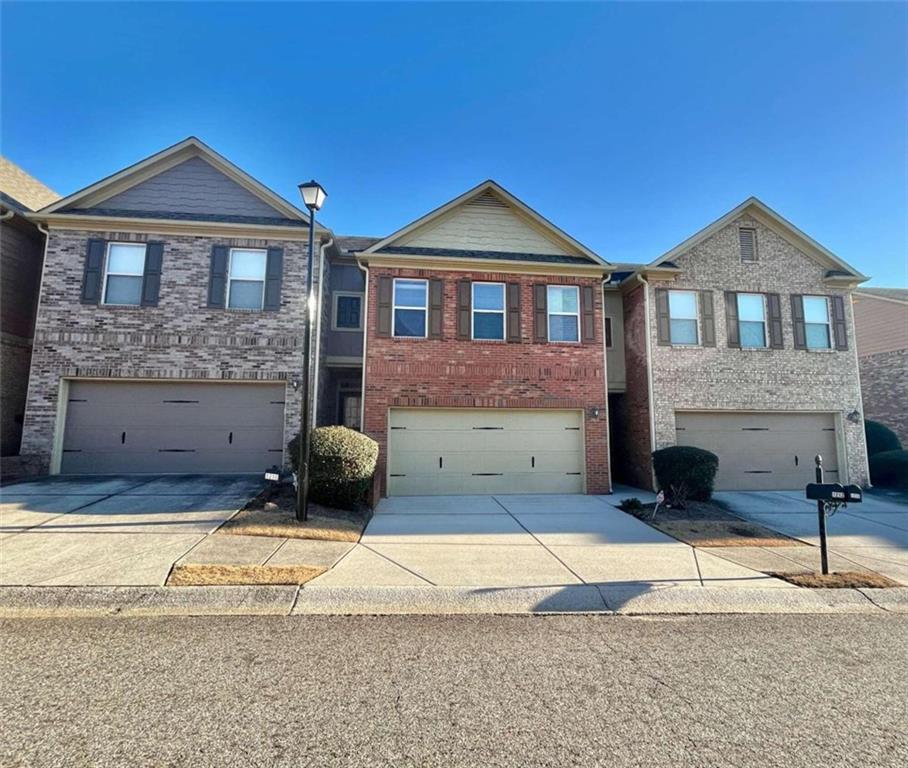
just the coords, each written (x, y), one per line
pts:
(454, 373)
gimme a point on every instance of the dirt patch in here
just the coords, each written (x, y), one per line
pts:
(211, 575)
(839, 580)
(268, 515)
(703, 524)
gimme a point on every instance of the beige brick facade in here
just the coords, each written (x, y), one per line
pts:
(723, 378)
(180, 339)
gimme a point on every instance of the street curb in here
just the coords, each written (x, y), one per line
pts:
(629, 600)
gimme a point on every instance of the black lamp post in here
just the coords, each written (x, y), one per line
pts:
(313, 197)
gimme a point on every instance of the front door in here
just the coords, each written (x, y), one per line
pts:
(350, 403)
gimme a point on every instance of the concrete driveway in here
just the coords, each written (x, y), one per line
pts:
(111, 530)
(872, 534)
(528, 541)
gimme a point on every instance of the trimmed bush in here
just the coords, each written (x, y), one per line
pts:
(880, 438)
(889, 469)
(341, 464)
(683, 471)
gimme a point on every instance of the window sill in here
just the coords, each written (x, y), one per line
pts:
(347, 330)
(121, 307)
(821, 350)
(487, 341)
(759, 349)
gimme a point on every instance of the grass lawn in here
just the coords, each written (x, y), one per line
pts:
(703, 524)
(840, 580)
(204, 575)
(276, 516)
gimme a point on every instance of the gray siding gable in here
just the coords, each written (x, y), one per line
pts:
(191, 187)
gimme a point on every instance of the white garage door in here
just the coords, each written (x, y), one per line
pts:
(763, 451)
(172, 427)
(478, 451)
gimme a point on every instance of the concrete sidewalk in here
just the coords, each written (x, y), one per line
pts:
(526, 541)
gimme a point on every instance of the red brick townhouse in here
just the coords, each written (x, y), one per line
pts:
(484, 359)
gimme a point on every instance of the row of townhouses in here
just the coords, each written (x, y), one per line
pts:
(485, 349)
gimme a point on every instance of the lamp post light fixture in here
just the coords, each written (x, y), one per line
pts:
(313, 197)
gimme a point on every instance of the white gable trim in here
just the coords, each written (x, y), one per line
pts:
(519, 206)
(151, 166)
(781, 226)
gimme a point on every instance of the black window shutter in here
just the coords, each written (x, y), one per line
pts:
(92, 276)
(774, 304)
(587, 314)
(797, 321)
(731, 320)
(663, 318)
(274, 275)
(513, 312)
(707, 319)
(540, 313)
(436, 301)
(839, 324)
(151, 279)
(217, 276)
(464, 306)
(385, 291)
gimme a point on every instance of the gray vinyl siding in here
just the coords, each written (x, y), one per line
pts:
(346, 278)
(193, 186)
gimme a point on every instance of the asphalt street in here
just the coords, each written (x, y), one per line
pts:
(456, 691)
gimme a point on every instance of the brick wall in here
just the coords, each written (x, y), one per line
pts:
(181, 338)
(723, 378)
(884, 382)
(453, 373)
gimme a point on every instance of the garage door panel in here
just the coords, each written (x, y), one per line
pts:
(762, 451)
(469, 451)
(114, 427)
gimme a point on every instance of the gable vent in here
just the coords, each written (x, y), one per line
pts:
(488, 200)
(747, 238)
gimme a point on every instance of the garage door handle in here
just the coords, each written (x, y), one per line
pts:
(123, 439)
(230, 439)
(441, 464)
(533, 462)
(796, 461)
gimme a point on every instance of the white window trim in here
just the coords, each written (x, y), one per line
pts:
(503, 312)
(108, 273)
(765, 320)
(695, 318)
(230, 280)
(395, 307)
(549, 313)
(830, 342)
(348, 294)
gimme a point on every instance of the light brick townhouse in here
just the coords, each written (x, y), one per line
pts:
(485, 349)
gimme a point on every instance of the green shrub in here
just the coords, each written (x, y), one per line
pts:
(632, 504)
(880, 438)
(889, 469)
(341, 464)
(683, 471)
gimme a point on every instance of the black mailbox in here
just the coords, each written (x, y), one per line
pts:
(826, 492)
(854, 494)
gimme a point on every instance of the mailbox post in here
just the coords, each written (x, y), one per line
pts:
(821, 515)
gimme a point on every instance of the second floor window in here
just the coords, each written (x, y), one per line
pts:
(410, 308)
(488, 311)
(564, 312)
(816, 322)
(348, 311)
(246, 279)
(124, 271)
(752, 320)
(682, 311)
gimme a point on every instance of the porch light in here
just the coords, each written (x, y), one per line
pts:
(313, 195)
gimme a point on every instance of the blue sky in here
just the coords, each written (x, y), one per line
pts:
(631, 126)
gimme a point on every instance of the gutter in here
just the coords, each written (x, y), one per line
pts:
(325, 244)
(362, 394)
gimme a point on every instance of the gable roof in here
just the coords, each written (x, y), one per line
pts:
(21, 191)
(836, 267)
(577, 253)
(90, 200)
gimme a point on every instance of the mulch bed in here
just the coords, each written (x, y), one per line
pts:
(839, 580)
(703, 524)
(275, 515)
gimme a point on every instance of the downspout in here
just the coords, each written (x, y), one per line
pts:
(608, 431)
(318, 324)
(649, 372)
(362, 392)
